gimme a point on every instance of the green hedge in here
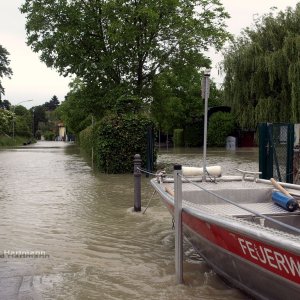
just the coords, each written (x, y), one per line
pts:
(119, 138)
(49, 136)
(221, 124)
(116, 139)
(87, 140)
(6, 141)
(193, 134)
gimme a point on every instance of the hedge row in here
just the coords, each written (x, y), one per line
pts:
(116, 139)
(221, 124)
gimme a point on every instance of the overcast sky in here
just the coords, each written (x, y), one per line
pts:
(33, 80)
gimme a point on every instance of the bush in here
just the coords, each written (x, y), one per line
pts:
(49, 136)
(117, 139)
(87, 140)
(221, 124)
(178, 138)
(6, 119)
(38, 134)
(7, 141)
(193, 134)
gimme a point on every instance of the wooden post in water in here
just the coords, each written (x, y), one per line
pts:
(137, 162)
(178, 223)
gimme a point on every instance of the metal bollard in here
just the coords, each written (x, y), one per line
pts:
(137, 162)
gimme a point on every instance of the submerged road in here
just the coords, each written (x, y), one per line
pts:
(66, 232)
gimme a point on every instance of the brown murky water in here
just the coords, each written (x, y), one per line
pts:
(79, 239)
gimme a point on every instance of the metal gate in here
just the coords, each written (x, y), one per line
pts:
(276, 143)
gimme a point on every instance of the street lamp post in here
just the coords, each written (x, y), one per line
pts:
(14, 116)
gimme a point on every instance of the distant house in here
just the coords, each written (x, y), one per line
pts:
(62, 133)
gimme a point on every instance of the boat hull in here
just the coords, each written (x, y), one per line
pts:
(252, 278)
(260, 269)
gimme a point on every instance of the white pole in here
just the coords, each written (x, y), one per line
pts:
(206, 95)
(178, 223)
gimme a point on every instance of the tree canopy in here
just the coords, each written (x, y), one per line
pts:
(5, 104)
(120, 46)
(5, 70)
(52, 104)
(262, 70)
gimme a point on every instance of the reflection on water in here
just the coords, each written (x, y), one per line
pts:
(51, 200)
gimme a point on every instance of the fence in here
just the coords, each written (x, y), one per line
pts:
(276, 150)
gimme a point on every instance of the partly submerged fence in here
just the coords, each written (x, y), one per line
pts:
(276, 151)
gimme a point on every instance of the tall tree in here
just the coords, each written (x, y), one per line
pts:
(122, 45)
(263, 70)
(5, 104)
(39, 115)
(52, 104)
(5, 70)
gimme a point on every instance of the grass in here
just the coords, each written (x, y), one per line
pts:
(6, 141)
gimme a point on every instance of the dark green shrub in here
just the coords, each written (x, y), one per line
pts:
(38, 134)
(178, 138)
(7, 141)
(118, 138)
(193, 134)
(49, 136)
(87, 140)
(221, 124)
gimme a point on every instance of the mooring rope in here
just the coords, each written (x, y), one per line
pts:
(146, 171)
(242, 207)
(154, 192)
(158, 173)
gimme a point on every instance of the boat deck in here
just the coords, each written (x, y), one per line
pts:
(231, 210)
(250, 195)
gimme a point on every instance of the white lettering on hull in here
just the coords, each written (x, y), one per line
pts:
(270, 257)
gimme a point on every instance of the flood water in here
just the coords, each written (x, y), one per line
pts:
(79, 238)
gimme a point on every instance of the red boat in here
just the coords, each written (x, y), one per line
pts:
(246, 237)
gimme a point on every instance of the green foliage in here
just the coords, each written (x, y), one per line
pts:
(52, 104)
(79, 107)
(23, 126)
(6, 118)
(128, 104)
(263, 70)
(193, 134)
(178, 138)
(39, 117)
(220, 126)
(121, 46)
(117, 139)
(23, 121)
(21, 118)
(5, 104)
(49, 135)
(5, 70)
(87, 140)
(176, 97)
(7, 141)
(38, 134)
